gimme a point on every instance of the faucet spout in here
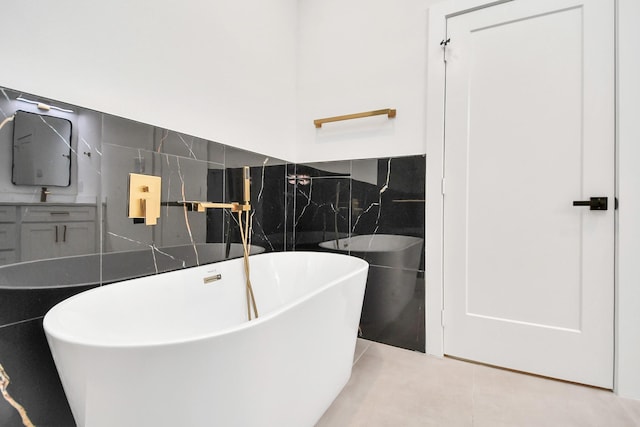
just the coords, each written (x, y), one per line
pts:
(203, 206)
(245, 206)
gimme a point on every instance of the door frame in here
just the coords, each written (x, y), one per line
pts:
(435, 140)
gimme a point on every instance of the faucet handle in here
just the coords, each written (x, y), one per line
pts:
(246, 180)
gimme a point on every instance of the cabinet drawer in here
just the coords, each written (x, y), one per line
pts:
(7, 236)
(7, 214)
(58, 213)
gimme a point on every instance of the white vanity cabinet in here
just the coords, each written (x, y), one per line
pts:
(8, 235)
(51, 231)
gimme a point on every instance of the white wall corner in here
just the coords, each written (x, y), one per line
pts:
(435, 152)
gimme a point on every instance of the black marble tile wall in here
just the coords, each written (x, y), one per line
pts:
(371, 208)
(319, 207)
(268, 193)
(33, 379)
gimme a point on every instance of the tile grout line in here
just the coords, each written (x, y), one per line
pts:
(21, 321)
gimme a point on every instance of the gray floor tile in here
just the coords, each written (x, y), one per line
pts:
(633, 409)
(395, 387)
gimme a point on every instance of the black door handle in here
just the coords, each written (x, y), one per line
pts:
(594, 203)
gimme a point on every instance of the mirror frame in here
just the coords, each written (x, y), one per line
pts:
(43, 163)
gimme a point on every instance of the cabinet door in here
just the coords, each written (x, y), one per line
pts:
(52, 240)
(76, 238)
(7, 236)
(39, 240)
(7, 257)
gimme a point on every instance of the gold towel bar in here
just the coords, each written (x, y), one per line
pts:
(390, 112)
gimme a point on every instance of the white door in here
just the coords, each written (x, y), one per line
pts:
(530, 129)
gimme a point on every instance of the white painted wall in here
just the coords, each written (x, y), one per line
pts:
(356, 56)
(628, 292)
(220, 70)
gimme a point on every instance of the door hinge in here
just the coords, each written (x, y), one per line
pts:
(442, 318)
(442, 186)
(444, 44)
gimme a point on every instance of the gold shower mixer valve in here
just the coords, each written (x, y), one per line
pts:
(144, 197)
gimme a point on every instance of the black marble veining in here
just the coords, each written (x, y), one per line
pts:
(25, 356)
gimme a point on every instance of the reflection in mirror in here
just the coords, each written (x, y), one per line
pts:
(41, 150)
(89, 215)
(82, 238)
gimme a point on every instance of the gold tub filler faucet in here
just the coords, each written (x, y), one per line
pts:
(244, 222)
(144, 203)
(244, 206)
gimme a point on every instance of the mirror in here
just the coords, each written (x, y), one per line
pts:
(41, 150)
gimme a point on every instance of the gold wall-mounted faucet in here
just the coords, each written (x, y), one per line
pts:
(245, 229)
(243, 206)
(202, 206)
(244, 223)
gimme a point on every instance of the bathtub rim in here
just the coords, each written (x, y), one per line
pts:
(327, 243)
(360, 264)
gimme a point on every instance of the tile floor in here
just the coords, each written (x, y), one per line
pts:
(400, 388)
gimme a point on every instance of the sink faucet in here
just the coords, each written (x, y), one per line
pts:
(43, 194)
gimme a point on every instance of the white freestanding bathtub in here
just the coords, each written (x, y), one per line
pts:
(390, 287)
(170, 350)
